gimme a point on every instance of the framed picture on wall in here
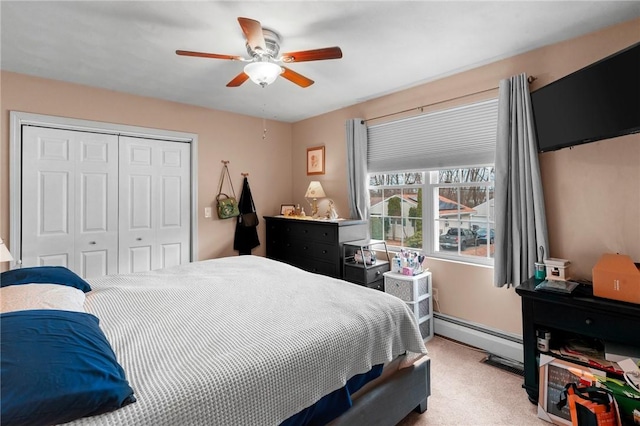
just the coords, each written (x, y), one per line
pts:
(315, 160)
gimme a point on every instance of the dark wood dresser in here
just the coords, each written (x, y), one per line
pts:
(576, 314)
(312, 244)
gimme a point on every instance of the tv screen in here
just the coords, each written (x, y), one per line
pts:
(600, 101)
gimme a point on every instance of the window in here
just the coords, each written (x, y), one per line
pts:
(445, 213)
(431, 182)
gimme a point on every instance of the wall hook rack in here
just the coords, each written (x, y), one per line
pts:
(245, 174)
(225, 162)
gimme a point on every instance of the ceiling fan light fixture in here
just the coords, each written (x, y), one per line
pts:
(263, 73)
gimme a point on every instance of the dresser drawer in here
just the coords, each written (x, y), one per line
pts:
(326, 252)
(317, 266)
(311, 232)
(405, 287)
(585, 322)
(358, 274)
(377, 285)
(301, 248)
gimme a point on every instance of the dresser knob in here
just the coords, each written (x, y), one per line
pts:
(588, 321)
(378, 272)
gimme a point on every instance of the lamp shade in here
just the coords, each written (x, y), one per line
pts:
(315, 190)
(5, 255)
(263, 73)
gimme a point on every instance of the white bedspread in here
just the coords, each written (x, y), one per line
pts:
(241, 340)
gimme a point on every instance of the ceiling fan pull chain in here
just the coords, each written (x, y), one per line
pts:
(264, 119)
(264, 130)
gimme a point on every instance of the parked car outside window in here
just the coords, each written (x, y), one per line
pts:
(455, 236)
(482, 236)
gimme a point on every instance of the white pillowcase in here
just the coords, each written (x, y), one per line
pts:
(41, 296)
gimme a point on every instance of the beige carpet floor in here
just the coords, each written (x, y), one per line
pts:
(467, 392)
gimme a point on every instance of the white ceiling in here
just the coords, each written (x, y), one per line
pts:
(387, 45)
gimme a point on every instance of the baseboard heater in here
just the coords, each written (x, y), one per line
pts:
(495, 342)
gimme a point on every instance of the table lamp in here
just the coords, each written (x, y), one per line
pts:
(5, 255)
(315, 191)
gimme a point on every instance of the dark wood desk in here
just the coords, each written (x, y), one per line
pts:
(579, 313)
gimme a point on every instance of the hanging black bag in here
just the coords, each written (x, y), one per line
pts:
(251, 218)
(227, 206)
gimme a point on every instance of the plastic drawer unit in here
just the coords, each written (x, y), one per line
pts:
(415, 291)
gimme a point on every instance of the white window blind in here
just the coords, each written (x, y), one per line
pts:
(458, 137)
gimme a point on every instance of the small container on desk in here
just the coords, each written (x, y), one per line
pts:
(415, 291)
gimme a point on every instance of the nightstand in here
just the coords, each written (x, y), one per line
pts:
(415, 290)
(362, 271)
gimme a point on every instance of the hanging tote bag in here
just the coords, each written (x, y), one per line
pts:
(227, 205)
(590, 406)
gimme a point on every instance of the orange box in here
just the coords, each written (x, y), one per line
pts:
(615, 276)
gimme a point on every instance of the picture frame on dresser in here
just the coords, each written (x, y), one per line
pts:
(286, 209)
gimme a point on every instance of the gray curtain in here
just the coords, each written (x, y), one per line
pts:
(357, 169)
(519, 201)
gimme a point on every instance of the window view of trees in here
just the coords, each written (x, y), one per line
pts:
(463, 213)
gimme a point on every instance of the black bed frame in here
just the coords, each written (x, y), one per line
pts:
(390, 402)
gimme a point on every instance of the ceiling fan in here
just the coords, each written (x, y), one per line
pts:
(263, 45)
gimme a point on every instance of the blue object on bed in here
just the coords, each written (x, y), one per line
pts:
(57, 366)
(44, 275)
(330, 406)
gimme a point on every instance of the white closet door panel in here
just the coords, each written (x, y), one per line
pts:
(155, 204)
(140, 189)
(95, 202)
(95, 263)
(69, 200)
(171, 254)
(96, 226)
(54, 194)
(174, 228)
(48, 197)
(140, 258)
(53, 259)
(137, 245)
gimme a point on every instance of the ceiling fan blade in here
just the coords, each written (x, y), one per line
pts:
(253, 33)
(208, 55)
(238, 80)
(296, 78)
(312, 55)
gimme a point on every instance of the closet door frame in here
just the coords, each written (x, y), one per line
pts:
(18, 119)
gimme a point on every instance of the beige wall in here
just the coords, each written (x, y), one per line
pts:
(591, 191)
(592, 194)
(221, 136)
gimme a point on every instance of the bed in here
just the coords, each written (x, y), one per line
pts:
(237, 340)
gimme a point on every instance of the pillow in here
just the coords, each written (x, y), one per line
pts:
(57, 366)
(41, 296)
(44, 274)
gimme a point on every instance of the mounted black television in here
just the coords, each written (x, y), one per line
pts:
(600, 101)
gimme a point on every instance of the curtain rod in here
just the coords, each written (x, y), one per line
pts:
(530, 80)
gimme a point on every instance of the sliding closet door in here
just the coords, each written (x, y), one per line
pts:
(154, 213)
(69, 199)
